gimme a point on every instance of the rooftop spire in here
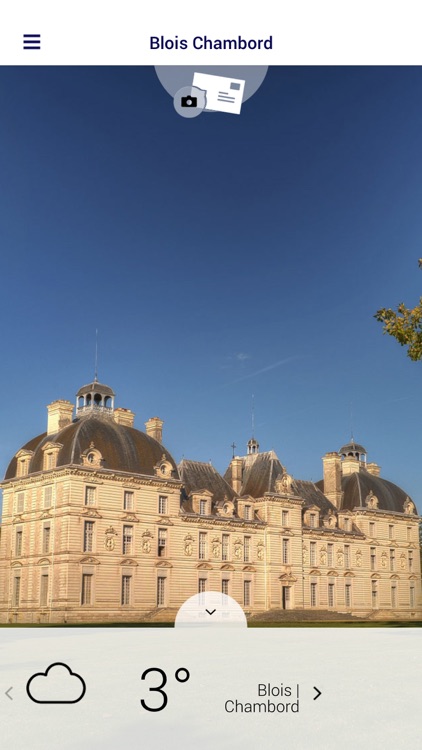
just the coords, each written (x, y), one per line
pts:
(96, 357)
(253, 445)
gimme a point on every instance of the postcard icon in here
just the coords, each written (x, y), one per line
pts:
(222, 94)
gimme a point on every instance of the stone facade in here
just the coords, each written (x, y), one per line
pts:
(87, 538)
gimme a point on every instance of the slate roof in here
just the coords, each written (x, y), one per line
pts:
(196, 476)
(260, 470)
(312, 495)
(123, 448)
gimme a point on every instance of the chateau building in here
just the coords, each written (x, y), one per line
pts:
(99, 524)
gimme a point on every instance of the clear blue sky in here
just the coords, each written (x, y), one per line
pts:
(219, 257)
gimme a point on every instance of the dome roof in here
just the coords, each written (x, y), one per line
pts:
(122, 448)
(356, 488)
(352, 447)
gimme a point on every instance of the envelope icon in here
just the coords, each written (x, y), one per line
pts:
(222, 94)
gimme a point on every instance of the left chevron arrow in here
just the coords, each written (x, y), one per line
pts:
(7, 693)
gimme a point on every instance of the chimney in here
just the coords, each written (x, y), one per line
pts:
(374, 469)
(350, 465)
(59, 415)
(154, 428)
(124, 417)
(237, 471)
(332, 477)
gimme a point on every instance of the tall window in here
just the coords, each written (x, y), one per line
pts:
(48, 496)
(331, 594)
(20, 502)
(50, 462)
(90, 495)
(412, 596)
(126, 589)
(46, 538)
(16, 593)
(162, 542)
(410, 559)
(313, 594)
(161, 591)
(347, 555)
(128, 500)
(127, 540)
(313, 553)
(247, 513)
(348, 594)
(374, 595)
(225, 547)
(390, 531)
(246, 593)
(162, 504)
(18, 542)
(285, 517)
(409, 533)
(347, 524)
(373, 559)
(330, 554)
(312, 520)
(44, 590)
(247, 549)
(285, 551)
(372, 529)
(392, 559)
(88, 536)
(393, 595)
(202, 545)
(203, 507)
(202, 586)
(225, 586)
(86, 594)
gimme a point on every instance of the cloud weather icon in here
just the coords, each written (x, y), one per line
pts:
(58, 684)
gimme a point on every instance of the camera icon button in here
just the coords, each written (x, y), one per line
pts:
(189, 101)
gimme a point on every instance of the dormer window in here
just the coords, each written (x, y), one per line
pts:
(227, 509)
(311, 517)
(51, 451)
(201, 502)
(23, 467)
(247, 512)
(23, 462)
(92, 456)
(164, 468)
